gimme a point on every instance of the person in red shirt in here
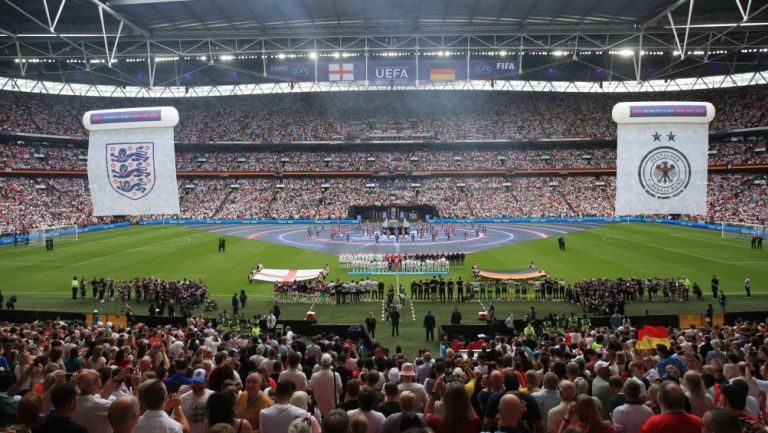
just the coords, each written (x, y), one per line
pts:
(673, 418)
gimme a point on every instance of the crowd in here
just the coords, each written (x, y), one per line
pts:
(350, 116)
(104, 378)
(27, 202)
(23, 156)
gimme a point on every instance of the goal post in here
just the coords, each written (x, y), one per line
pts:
(62, 232)
(741, 230)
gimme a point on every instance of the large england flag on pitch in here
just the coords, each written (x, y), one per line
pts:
(661, 165)
(131, 161)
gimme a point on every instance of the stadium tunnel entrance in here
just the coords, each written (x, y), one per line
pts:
(397, 212)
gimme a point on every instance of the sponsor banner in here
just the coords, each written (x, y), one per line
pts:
(7, 240)
(101, 117)
(341, 70)
(391, 72)
(487, 69)
(442, 70)
(295, 70)
(668, 111)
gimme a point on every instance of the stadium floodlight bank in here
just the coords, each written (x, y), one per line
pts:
(741, 230)
(40, 235)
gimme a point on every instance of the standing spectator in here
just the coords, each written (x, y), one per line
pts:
(279, 416)
(326, 385)
(407, 402)
(300, 399)
(294, 373)
(155, 399)
(193, 403)
(367, 399)
(391, 404)
(336, 421)
(91, 411)
(510, 412)
(458, 414)
(696, 394)
(567, 391)
(672, 418)
(408, 376)
(123, 414)
(720, 421)
(253, 400)
(584, 415)
(601, 387)
(548, 398)
(64, 400)
(220, 409)
(734, 400)
(630, 417)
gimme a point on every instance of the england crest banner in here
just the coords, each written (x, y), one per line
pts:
(131, 161)
(661, 161)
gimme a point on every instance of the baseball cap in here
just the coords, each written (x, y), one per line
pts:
(601, 364)
(198, 376)
(326, 359)
(407, 370)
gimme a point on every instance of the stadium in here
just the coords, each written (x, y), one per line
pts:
(353, 177)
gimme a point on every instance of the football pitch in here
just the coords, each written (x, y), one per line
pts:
(41, 280)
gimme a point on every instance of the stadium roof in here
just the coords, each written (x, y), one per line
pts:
(223, 42)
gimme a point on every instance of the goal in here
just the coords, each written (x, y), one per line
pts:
(39, 235)
(741, 230)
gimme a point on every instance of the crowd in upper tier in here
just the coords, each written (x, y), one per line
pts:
(27, 202)
(21, 156)
(439, 115)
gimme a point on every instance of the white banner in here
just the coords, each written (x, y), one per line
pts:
(132, 167)
(661, 165)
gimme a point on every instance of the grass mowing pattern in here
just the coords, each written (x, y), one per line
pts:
(41, 279)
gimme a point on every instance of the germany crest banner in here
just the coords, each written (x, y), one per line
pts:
(649, 336)
(131, 161)
(661, 161)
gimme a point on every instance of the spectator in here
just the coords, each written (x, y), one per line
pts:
(123, 414)
(630, 417)
(279, 416)
(193, 403)
(253, 400)
(584, 415)
(458, 414)
(672, 418)
(326, 385)
(220, 409)
(367, 399)
(155, 399)
(64, 399)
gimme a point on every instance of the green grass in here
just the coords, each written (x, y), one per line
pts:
(41, 279)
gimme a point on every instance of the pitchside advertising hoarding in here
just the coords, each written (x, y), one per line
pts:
(393, 71)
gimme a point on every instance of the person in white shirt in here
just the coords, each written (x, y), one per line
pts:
(154, 397)
(278, 417)
(326, 385)
(407, 375)
(193, 402)
(629, 417)
(367, 399)
(91, 411)
(293, 373)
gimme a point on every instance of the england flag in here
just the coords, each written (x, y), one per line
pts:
(341, 72)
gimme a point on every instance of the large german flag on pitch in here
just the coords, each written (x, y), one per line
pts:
(649, 336)
(442, 74)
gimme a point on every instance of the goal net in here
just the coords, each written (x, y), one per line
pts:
(741, 230)
(39, 236)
